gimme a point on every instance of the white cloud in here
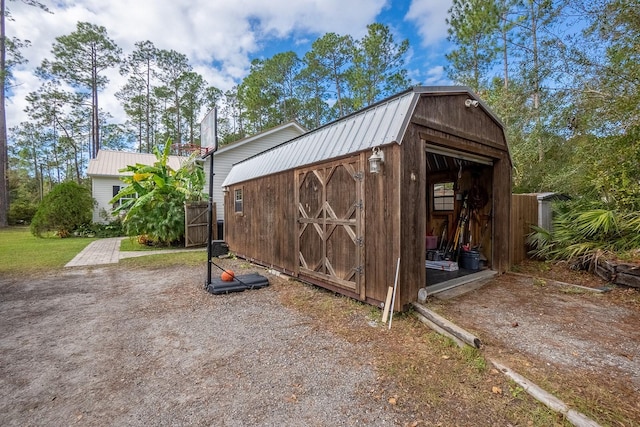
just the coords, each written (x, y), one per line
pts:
(436, 76)
(218, 37)
(430, 18)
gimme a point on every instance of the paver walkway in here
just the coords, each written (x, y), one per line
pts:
(102, 251)
(107, 251)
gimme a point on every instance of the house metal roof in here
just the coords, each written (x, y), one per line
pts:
(249, 139)
(382, 123)
(108, 163)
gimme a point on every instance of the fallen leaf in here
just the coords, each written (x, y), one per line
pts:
(445, 357)
(496, 390)
(292, 399)
(392, 400)
(514, 324)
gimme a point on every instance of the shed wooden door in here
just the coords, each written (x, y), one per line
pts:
(330, 224)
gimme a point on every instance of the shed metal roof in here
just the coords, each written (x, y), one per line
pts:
(382, 123)
(109, 163)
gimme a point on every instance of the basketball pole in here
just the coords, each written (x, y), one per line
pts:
(210, 221)
(210, 204)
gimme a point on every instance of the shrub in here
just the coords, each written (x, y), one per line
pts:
(21, 212)
(112, 229)
(67, 207)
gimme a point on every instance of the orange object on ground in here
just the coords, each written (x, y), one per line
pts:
(227, 276)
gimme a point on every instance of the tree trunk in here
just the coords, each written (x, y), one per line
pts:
(536, 78)
(148, 107)
(95, 122)
(505, 57)
(4, 156)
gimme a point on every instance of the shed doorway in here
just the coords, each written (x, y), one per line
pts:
(459, 216)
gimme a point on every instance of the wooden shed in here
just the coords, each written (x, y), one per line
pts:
(315, 208)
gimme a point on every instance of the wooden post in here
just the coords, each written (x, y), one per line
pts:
(387, 305)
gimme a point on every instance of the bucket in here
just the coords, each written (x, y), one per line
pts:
(469, 260)
(432, 242)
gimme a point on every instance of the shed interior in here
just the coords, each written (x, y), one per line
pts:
(458, 220)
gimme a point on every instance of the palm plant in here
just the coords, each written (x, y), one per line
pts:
(153, 199)
(583, 232)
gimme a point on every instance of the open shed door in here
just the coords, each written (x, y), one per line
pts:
(330, 212)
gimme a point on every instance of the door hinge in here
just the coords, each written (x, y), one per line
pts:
(359, 269)
(359, 204)
(360, 241)
(358, 175)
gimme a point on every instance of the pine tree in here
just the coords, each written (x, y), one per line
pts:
(80, 59)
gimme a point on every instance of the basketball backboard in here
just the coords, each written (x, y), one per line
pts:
(208, 137)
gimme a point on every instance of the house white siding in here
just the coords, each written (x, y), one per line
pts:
(236, 152)
(102, 189)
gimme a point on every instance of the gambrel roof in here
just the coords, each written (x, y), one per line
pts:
(382, 123)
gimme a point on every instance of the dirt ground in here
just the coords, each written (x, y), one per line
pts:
(110, 346)
(117, 346)
(574, 342)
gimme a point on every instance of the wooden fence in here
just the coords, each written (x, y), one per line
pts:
(524, 213)
(196, 224)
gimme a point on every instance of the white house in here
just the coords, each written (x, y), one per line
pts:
(228, 155)
(105, 174)
(104, 170)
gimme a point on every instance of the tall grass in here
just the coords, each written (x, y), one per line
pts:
(21, 252)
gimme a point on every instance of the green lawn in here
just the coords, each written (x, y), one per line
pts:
(196, 258)
(21, 252)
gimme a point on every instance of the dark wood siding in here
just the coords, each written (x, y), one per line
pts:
(448, 115)
(382, 225)
(412, 219)
(501, 213)
(264, 232)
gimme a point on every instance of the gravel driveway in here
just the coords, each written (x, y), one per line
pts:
(117, 345)
(106, 346)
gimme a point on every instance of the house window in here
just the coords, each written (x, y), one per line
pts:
(238, 205)
(443, 196)
(122, 200)
(116, 190)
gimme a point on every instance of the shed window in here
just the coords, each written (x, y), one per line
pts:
(238, 205)
(443, 196)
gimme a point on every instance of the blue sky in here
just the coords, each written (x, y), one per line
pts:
(421, 22)
(221, 37)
